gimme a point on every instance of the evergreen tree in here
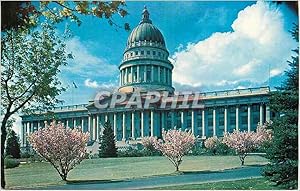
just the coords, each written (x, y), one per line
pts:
(107, 142)
(283, 152)
(12, 144)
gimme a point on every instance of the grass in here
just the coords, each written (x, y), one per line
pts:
(246, 184)
(111, 169)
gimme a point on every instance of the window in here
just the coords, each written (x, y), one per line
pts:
(154, 53)
(148, 74)
(232, 120)
(158, 53)
(142, 52)
(255, 108)
(136, 52)
(131, 54)
(148, 52)
(244, 119)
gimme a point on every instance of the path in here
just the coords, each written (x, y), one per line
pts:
(160, 181)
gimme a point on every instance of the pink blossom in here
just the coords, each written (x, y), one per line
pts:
(63, 147)
(175, 144)
(211, 142)
(148, 142)
(245, 142)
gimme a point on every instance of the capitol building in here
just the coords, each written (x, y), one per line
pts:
(145, 67)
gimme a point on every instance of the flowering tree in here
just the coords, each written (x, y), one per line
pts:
(63, 147)
(245, 142)
(175, 144)
(149, 142)
(211, 143)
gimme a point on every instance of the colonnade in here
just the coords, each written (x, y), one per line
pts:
(136, 124)
(145, 73)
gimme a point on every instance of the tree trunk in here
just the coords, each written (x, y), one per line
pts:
(242, 158)
(177, 168)
(3, 139)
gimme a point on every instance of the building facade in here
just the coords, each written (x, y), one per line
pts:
(145, 67)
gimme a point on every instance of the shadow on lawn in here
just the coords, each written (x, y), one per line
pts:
(92, 181)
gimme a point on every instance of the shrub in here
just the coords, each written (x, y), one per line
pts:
(9, 162)
(26, 155)
(132, 152)
(211, 144)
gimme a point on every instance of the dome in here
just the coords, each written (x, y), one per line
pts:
(146, 31)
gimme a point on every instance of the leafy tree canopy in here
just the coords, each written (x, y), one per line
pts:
(20, 14)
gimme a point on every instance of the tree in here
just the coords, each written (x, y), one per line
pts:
(107, 142)
(211, 144)
(63, 147)
(30, 62)
(175, 144)
(148, 143)
(283, 152)
(18, 14)
(12, 145)
(244, 142)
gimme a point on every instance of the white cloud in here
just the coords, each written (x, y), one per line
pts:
(91, 84)
(275, 72)
(258, 44)
(109, 86)
(86, 64)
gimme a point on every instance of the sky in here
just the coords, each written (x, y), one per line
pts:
(213, 46)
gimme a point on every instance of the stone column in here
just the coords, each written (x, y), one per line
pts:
(89, 125)
(28, 128)
(142, 123)
(249, 118)
(182, 120)
(225, 120)
(145, 73)
(115, 125)
(237, 118)
(203, 123)
(74, 123)
(126, 76)
(97, 127)
(152, 73)
(131, 74)
(158, 73)
(124, 127)
(94, 128)
(132, 125)
(38, 125)
(138, 73)
(82, 123)
(152, 122)
(261, 114)
(193, 122)
(165, 75)
(268, 113)
(67, 123)
(106, 118)
(22, 134)
(214, 122)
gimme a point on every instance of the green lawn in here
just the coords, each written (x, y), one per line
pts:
(43, 174)
(246, 184)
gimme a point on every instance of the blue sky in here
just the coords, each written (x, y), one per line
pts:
(213, 46)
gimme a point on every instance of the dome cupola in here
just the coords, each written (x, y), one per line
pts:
(145, 31)
(145, 65)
